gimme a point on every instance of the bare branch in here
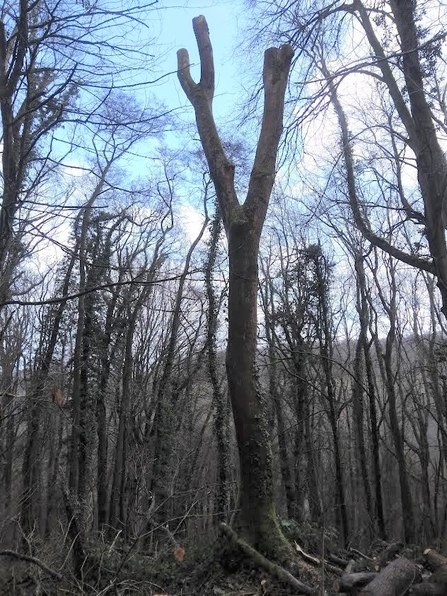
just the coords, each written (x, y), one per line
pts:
(29, 559)
(363, 226)
(275, 76)
(201, 96)
(106, 286)
(202, 34)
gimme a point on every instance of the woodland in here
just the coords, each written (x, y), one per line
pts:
(223, 341)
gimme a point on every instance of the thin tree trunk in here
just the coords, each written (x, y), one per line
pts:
(30, 472)
(274, 389)
(375, 444)
(164, 422)
(325, 340)
(358, 415)
(396, 432)
(117, 507)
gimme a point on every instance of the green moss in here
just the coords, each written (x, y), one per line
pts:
(272, 541)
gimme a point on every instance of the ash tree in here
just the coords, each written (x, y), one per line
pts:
(243, 223)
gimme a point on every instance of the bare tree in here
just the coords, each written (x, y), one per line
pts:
(47, 62)
(243, 224)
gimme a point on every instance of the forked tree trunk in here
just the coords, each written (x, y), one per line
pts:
(243, 226)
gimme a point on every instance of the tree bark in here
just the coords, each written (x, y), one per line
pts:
(394, 579)
(350, 581)
(220, 397)
(427, 589)
(243, 225)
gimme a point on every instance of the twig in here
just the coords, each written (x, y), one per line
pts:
(360, 554)
(316, 561)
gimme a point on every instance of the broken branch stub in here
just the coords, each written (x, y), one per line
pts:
(206, 84)
(202, 34)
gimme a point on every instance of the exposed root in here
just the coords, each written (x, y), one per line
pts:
(275, 570)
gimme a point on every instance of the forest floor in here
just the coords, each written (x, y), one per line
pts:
(204, 571)
(205, 579)
(19, 579)
(205, 568)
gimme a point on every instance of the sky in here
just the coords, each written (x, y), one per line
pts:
(173, 21)
(168, 28)
(176, 32)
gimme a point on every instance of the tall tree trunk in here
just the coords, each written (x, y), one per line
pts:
(421, 131)
(31, 458)
(358, 388)
(325, 339)
(257, 518)
(8, 412)
(101, 414)
(396, 431)
(117, 508)
(364, 319)
(243, 225)
(375, 443)
(83, 405)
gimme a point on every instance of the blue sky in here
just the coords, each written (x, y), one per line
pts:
(175, 20)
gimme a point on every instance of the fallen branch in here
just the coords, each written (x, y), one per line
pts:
(316, 561)
(439, 564)
(387, 555)
(338, 560)
(308, 558)
(360, 554)
(261, 561)
(29, 559)
(428, 589)
(394, 579)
